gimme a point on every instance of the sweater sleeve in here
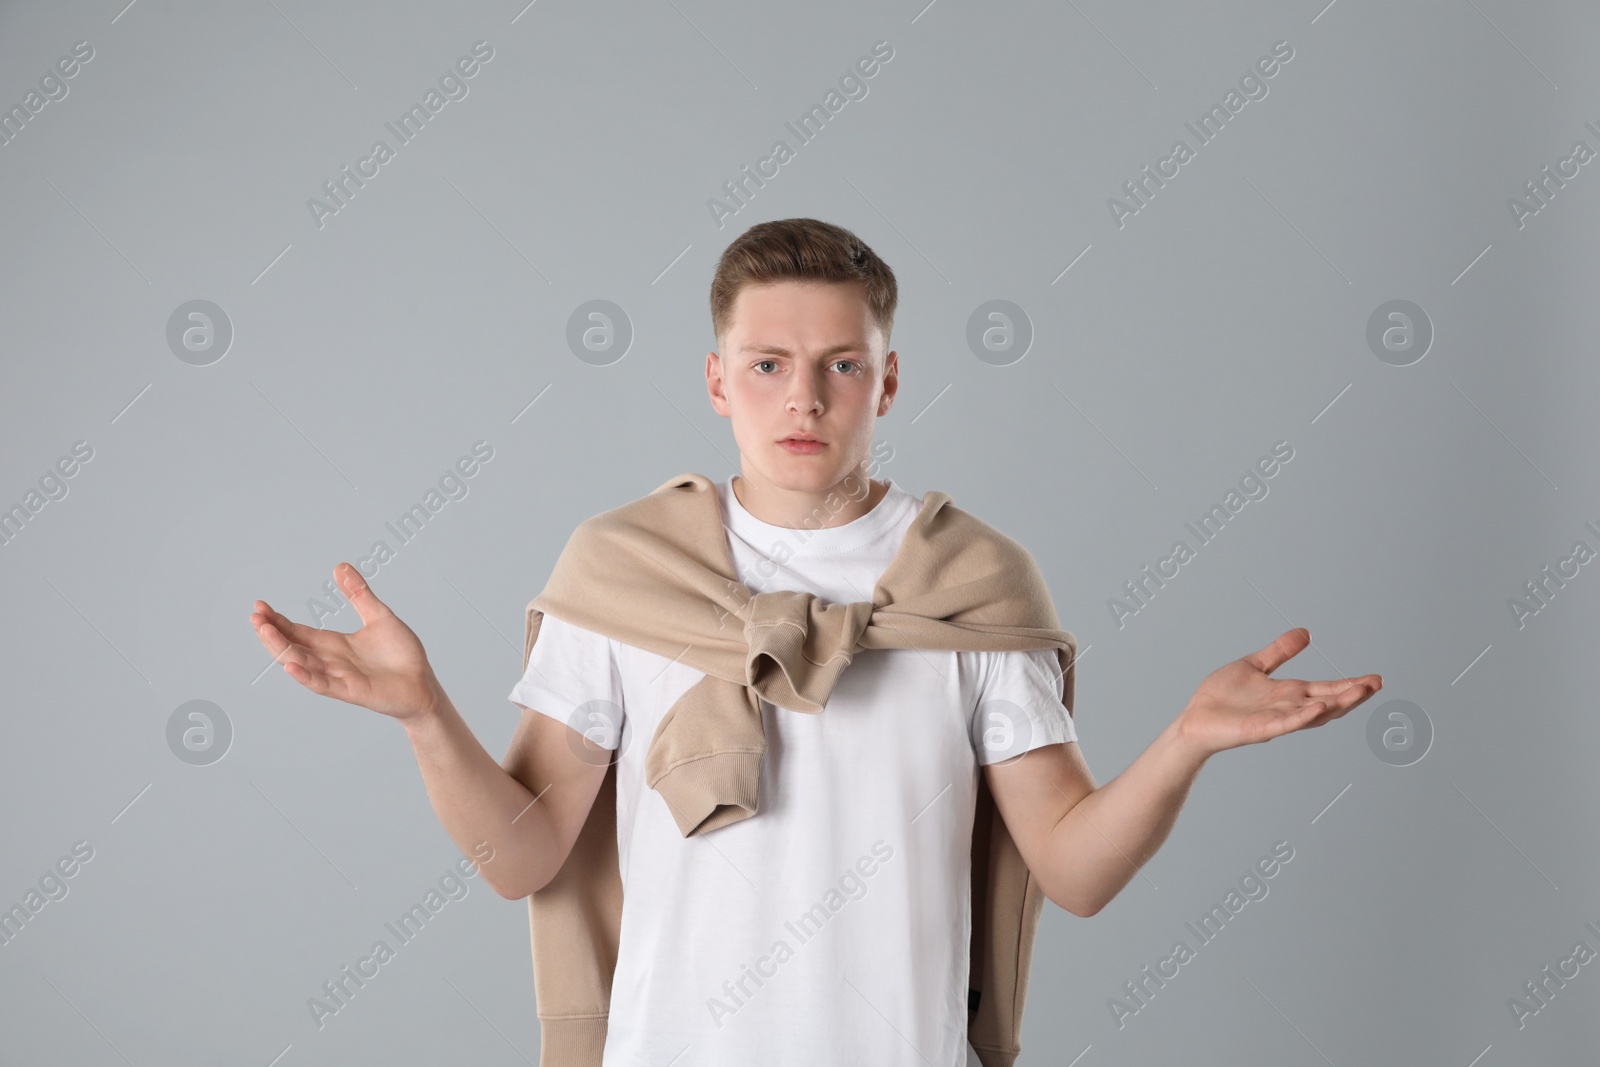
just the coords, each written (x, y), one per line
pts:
(1019, 705)
(572, 675)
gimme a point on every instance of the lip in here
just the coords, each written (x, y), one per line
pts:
(802, 446)
(803, 437)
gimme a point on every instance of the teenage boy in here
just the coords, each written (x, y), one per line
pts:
(833, 927)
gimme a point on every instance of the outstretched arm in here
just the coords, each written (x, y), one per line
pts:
(1084, 843)
(524, 813)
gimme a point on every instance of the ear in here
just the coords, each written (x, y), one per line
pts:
(715, 387)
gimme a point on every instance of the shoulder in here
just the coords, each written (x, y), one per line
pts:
(962, 536)
(675, 502)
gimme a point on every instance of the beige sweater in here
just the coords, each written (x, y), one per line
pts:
(656, 573)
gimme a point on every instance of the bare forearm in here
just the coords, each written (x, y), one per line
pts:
(477, 800)
(1105, 838)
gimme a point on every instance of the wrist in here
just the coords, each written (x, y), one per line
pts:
(1189, 750)
(431, 709)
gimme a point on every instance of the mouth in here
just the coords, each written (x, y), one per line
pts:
(803, 444)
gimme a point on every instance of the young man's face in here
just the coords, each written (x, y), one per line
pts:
(802, 357)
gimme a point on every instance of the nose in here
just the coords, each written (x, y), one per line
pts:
(804, 394)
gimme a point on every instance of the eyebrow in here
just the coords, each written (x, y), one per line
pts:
(779, 350)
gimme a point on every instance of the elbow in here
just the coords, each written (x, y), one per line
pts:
(1083, 909)
(523, 890)
(514, 892)
(1064, 898)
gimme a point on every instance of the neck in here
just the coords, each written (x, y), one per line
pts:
(799, 509)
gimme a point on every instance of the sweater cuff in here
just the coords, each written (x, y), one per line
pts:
(572, 1040)
(711, 791)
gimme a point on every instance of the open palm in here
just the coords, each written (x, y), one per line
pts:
(1240, 704)
(381, 666)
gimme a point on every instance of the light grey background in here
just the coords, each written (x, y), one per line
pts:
(369, 354)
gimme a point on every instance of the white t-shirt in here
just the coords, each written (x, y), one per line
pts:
(833, 926)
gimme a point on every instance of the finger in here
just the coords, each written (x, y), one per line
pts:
(355, 587)
(1346, 699)
(298, 662)
(1294, 717)
(294, 631)
(1340, 704)
(1319, 713)
(1289, 644)
(1338, 685)
(314, 680)
(286, 651)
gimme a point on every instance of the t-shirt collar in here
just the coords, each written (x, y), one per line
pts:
(766, 537)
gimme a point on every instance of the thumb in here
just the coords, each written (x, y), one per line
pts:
(1287, 646)
(360, 594)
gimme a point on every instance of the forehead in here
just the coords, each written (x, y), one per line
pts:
(802, 313)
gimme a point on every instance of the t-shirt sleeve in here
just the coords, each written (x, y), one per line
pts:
(572, 675)
(1019, 705)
